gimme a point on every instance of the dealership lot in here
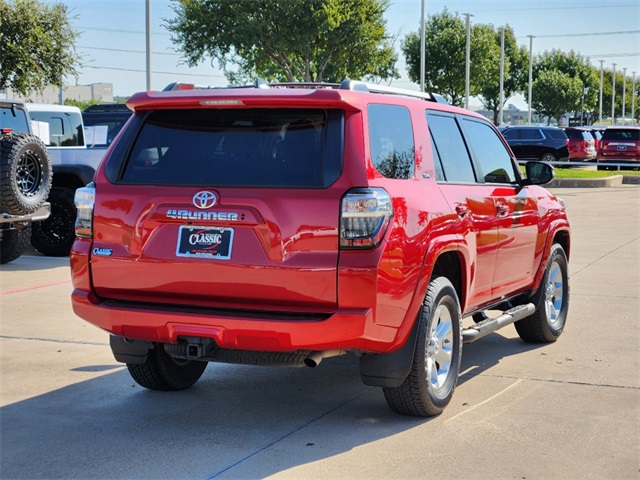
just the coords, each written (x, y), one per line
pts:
(565, 410)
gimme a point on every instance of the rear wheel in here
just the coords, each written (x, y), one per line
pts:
(548, 157)
(162, 372)
(428, 388)
(13, 243)
(552, 304)
(55, 235)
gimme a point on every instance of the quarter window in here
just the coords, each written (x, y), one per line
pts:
(391, 140)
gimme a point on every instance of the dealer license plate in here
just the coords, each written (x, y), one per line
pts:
(205, 242)
(622, 148)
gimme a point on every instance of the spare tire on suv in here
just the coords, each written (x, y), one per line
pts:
(25, 173)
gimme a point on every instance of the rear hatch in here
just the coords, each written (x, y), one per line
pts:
(621, 143)
(222, 207)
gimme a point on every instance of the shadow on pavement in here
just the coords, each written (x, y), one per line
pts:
(232, 420)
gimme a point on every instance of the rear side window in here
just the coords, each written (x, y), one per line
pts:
(102, 128)
(620, 134)
(65, 129)
(243, 148)
(391, 140)
(530, 134)
(490, 153)
(450, 149)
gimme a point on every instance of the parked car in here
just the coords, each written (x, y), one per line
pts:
(103, 122)
(619, 145)
(547, 144)
(581, 144)
(283, 224)
(25, 180)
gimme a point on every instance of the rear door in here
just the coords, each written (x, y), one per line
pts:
(515, 209)
(228, 208)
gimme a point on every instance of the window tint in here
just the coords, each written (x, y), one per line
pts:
(555, 133)
(490, 153)
(620, 134)
(510, 134)
(17, 123)
(451, 148)
(391, 140)
(65, 129)
(574, 134)
(248, 148)
(530, 134)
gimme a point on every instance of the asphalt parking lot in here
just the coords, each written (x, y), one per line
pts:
(521, 411)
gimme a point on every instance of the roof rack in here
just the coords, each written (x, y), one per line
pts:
(373, 88)
(347, 84)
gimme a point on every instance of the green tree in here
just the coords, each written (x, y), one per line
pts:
(555, 93)
(36, 45)
(516, 61)
(576, 67)
(445, 42)
(296, 40)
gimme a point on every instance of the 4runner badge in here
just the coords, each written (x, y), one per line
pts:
(204, 199)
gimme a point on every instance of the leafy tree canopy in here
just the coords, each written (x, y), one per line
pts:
(296, 40)
(555, 93)
(36, 45)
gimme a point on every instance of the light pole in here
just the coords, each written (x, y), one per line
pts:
(613, 94)
(601, 79)
(148, 34)
(422, 47)
(624, 94)
(468, 62)
(530, 73)
(633, 98)
(501, 117)
(585, 90)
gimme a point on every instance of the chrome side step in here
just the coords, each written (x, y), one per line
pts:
(490, 325)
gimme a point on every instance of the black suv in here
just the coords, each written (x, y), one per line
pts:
(547, 144)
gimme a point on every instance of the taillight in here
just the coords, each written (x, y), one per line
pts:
(84, 200)
(365, 215)
(583, 144)
(6, 130)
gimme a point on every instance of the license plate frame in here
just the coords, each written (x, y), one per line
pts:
(205, 242)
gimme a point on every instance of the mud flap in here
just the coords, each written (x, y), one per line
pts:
(126, 350)
(389, 369)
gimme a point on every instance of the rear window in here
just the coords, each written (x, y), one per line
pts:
(15, 119)
(576, 134)
(621, 134)
(243, 148)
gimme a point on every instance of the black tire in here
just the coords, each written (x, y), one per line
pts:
(552, 302)
(165, 373)
(55, 235)
(25, 173)
(425, 393)
(548, 157)
(13, 243)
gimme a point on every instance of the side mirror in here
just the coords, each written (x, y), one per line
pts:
(538, 173)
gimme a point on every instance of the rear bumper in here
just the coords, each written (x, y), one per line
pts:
(345, 329)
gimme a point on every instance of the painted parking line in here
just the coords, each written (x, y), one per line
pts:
(33, 287)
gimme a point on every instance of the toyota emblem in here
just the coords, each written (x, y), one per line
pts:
(204, 199)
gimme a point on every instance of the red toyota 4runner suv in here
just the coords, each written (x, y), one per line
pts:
(282, 224)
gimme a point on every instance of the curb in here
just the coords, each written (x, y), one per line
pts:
(614, 181)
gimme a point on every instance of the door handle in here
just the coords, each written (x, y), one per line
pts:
(502, 209)
(462, 209)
